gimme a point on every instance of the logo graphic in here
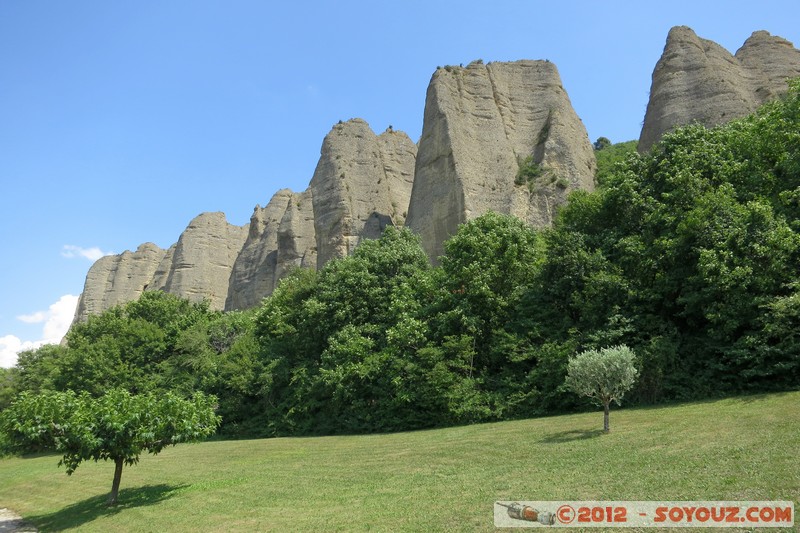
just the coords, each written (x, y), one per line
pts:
(518, 511)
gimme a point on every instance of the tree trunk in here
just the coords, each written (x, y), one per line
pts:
(605, 417)
(112, 498)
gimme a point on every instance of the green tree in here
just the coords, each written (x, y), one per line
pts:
(340, 348)
(129, 345)
(604, 375)
(8, 386)
(116, 426)
(601, 143)
(486, 265)
(609, 156)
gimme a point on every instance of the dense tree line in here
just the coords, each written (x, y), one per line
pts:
(688, 255)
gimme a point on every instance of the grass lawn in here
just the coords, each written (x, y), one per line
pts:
(744, 448)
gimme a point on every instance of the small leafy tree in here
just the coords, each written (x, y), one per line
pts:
(601, 142)
(118, 425)
(604, 375)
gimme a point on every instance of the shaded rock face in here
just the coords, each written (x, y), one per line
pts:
(481, 123)
(254, 271)
(697, 80)
(281, 237)
(297, 240)
(362, 183)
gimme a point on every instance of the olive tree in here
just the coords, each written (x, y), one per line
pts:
(118, 425)
(604, 375)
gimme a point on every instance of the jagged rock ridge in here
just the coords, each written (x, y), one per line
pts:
(481, 123)
(362, 184)
(116, 279)
(698, 80)
(197, 267)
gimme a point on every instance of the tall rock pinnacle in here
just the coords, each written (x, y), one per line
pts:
(481, 124)
(697, 80)
(362, 183)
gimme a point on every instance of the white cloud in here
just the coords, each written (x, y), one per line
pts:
(10, 346)
(56, 320)
(33, 318)
(71, 251)
(59, 318)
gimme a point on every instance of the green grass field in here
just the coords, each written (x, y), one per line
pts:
(439, 480)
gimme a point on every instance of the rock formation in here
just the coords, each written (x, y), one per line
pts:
(116, 279)
(203, 259)
(501, 136)
(297, 241)
(482, 124)
(362, 183)
(254, 272)
(197, 267)
(698, 80)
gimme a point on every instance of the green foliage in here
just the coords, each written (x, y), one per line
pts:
(116, 426)
(610, 156)
(528, 173)
(128, 346)
(157, 343)
(601, 143)
(339, 348)
(688, 254)
(604, 375)
(8, 386)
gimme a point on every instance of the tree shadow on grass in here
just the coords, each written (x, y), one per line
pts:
(571, 435)
(85, 511)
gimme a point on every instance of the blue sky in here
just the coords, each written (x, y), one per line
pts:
(121, 121)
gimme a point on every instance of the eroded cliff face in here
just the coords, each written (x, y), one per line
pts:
(203, 259)
(482, 123)
(197, 267)
(697, 80)
(362, 184)
(254, 272)
(116, 279)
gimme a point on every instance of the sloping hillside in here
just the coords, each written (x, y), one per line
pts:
(443, 480)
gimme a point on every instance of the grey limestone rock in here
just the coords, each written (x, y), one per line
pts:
(698, 80)
(254, 271)
(203, 259)
(361, 185)
(769, 61)
(197, 267)
(116, 279)
(480, 125)
(297, 240)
